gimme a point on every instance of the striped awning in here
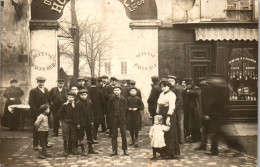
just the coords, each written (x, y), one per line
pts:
(216, 34)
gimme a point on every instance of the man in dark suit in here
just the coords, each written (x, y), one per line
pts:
(153, 97)
(81, 83)
(97, 100)
(178, 91)
(37, 97)
(58, 96)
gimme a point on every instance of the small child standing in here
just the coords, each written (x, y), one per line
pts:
(68, 117)
(42, 126)
(134, 105)
(156, 135)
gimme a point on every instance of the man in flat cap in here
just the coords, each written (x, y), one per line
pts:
(153, 97)
(13, 95)
(124, 89)
(192, 111)
(96, 96)
(178, 91)
(81, 83)
(37, 97)
(107, 90)
(58, 96)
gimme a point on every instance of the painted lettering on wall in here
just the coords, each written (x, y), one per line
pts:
(145, 61)
(132, 5)
(42, 61)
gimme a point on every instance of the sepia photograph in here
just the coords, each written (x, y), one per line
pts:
(129, 83)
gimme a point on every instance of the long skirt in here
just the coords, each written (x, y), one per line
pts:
(172, 136)
(11, 120)
(133, 121)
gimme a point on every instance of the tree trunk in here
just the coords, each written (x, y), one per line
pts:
(76, 40)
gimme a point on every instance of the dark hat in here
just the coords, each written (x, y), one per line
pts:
(155, 79)
(165, 82)
(189, 81)
(117, 86)
(60, 80)
(93, 81)
(41, 79)
(113, 79)
(71, 93)
(13, 80)
(104, 76)
(99, 79)
(132, 88)
(132, 82)
(81, 78)
(44, 107)
(83, 91)
(172, 76)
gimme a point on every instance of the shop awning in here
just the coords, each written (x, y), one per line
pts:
(216, 34)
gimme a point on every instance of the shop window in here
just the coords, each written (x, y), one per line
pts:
(108, 68)
(239, 10)
(243, 74)
(123, 68)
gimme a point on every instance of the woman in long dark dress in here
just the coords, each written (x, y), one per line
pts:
(165, 107)
(13, 95)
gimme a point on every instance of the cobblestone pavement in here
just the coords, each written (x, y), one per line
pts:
(26, 156)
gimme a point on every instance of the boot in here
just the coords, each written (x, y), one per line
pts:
(114, 153)
(126, 153)
(65, 146)
(132, 142)
(136, 142)
(83, 152)
(45, 152)
(90, 149)
(74, 148)
(41, 156)
(201, 147)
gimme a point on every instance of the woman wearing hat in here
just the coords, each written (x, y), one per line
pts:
(166, 107)
(13, 95)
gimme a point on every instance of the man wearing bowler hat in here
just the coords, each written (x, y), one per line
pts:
(58, 96)
(37, 97)
(178, 91)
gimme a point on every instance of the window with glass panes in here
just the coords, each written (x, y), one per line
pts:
(108, 68)
(243, 73)
(123, 68)
(239, 10)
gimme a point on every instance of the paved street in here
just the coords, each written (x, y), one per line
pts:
(26, 156)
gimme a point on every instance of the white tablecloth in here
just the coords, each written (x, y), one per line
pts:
(20, 106)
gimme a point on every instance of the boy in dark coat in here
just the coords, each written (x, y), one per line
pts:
(134, 105)
(97, 99)
(37, 97)
(68, 118)
(117, 112)
(58, 96)
(13, 95)
(85, 122)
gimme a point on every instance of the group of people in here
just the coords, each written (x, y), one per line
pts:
(180, 111)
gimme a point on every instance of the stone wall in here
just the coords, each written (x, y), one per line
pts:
(15, 35)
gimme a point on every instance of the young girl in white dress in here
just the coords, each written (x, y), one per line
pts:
(156, 135)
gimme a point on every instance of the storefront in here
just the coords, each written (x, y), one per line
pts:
(197, 49)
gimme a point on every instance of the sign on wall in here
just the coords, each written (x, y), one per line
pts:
(140, 9)
(47, 9)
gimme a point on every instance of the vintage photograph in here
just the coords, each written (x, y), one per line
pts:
(130, 83)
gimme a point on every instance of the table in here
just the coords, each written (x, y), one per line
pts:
(23, 109)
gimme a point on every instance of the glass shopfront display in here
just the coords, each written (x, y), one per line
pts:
(243, 74)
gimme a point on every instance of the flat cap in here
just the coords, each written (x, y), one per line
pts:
(188, 80)
(83, 91)
(61, 80)
(172, 76)
(113, 79)
(41, 79)
(70, 93)
(132, 82)
(117, 86)
(155, 79)
(81, 78)
(104, 76)
(13, 80)
(133, 87)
